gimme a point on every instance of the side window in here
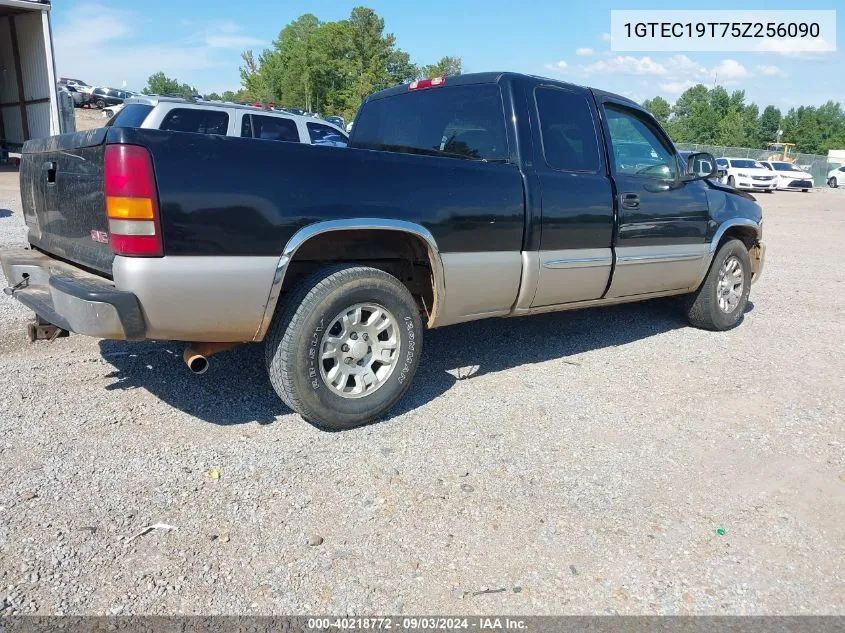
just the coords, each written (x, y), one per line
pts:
(197, 121)
(456, 121)
(325, 135)
(567, 130)
(638, 150)
(274, 128)
(246, 126)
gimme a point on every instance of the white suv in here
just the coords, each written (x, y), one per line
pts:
(227, 119)
(745, 173)
(836, 177)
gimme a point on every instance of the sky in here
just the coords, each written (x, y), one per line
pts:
(199, 42)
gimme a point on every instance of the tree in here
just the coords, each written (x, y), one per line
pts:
(751, 126)
(213, 96)
(160, 84)
(659, 107)
(729, 129)
(229, 96)
(769, 124)
(330, 67)
(446, 66)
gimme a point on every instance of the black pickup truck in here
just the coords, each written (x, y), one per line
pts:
(458, 198)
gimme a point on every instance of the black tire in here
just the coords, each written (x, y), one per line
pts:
(703, 309)
(100, 104)
(805, 190)
(294, 344)
(770, 190)
(731, 182)
(832, 183)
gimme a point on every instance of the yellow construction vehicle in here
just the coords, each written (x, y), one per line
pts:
(782, 151)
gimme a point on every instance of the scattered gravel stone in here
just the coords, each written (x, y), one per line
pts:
(314, 540)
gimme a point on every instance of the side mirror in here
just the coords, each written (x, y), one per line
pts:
(702, 165)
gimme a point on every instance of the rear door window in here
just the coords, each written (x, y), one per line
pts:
(567, 130)
(271, 128)
(196, 121)
(457, 122)
(325, 135)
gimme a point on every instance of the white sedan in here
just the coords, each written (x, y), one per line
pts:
(836, 177)
(744, 173)
(789, 176)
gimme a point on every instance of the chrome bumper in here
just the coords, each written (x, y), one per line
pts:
(71, 298)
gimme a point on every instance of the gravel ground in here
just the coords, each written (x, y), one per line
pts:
(604, 461)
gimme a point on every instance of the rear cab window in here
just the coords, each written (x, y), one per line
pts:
(465, 122)
(132, 115)
(567, 130)
(196, 120)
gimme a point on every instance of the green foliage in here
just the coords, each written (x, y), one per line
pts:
(213, 96)
(329, 67)
(161, 84)
(769, 124)
(446, 66)
(659, 107)
(712, 116)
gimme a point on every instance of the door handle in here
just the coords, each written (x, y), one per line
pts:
(49, 169)
(630, 201)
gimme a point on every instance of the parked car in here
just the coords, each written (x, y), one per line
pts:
(836, 177)
(110, 111)
(440, 217)
(79, 98)
(76, 83)
(214, 117)
(102, 97)
(744, 173)
(789, 176)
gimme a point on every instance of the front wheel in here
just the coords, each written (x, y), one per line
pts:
(719, 303)
(832, 183)
(100, 104)
(731, 182)
(344, 346)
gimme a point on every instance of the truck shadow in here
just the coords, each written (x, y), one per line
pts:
(236, 389)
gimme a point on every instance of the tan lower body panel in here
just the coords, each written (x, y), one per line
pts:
(572, 275)
(479, 285)
(198, 298)
(644, 270)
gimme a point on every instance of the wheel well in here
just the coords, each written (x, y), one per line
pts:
(746, 234)
(403, 255)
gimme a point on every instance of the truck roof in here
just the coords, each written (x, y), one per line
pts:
(494, 77)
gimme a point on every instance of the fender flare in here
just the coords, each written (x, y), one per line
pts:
(312, 230)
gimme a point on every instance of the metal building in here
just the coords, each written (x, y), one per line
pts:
(29, 104)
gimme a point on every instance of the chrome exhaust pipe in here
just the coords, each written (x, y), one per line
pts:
(196, 355)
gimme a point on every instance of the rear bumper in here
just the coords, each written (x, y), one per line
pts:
(71, 298)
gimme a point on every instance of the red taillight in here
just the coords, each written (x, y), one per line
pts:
(422, 84)
(132, 201)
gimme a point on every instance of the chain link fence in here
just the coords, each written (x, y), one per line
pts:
(812, 163)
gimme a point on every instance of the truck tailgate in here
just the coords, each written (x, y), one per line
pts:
(63, 200)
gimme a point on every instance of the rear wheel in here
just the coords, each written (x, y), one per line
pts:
(345, 346)
(719, 303)
(831, 182)
(100, 104)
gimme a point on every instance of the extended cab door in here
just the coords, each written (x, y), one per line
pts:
(660, 241)
(576, 197)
